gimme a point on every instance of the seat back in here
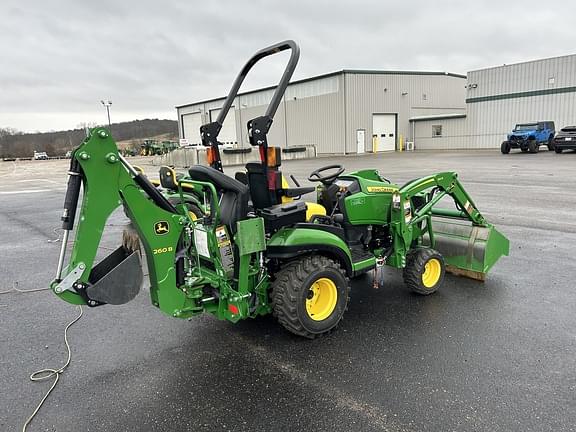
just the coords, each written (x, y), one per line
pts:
(259, 182)
(234, 198)
(168, 178)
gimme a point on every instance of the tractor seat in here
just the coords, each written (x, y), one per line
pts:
(169, 178)
(262, 196)
(234, 201)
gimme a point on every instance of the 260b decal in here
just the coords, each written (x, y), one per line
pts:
(162, 250)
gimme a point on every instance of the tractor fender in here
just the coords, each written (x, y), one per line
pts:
(292, 242)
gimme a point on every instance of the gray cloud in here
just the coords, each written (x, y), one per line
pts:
(60, 57)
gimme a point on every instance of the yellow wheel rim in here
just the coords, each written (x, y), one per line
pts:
(432, 272)
(322, 298)
(193, 216)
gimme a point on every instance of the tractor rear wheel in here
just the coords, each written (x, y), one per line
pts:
(424, 270)
(309, 295)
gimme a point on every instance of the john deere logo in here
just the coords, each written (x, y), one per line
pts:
(161, 228)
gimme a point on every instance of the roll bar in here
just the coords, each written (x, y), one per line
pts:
(259, 127)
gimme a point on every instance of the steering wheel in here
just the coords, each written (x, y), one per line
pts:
(326, 178)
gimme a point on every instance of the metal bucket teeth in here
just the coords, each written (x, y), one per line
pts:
(468, 250)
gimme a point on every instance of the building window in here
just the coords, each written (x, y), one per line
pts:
(436, 130)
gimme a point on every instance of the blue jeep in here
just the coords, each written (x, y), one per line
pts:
(528, 137)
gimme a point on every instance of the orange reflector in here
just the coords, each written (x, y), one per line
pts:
(233, 308)
(274, 159)
(210, 155)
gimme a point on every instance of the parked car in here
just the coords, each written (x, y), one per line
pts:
(565, 139)
(40, 155)
(528, 137)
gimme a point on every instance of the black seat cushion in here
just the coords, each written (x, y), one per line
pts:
(234, 201)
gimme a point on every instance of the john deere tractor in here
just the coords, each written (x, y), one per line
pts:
(247, 246)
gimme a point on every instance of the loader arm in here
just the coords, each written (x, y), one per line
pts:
(108, 182)
(448, 184)
(469, 244)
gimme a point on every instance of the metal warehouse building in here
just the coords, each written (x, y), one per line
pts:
(350, 111)
(500, 97)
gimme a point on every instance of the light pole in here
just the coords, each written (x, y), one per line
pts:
(108, 104)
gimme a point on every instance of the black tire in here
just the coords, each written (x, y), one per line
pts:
(524, 149)
(550, 144)
(414, 272)
(193, 209)
(505, 147)
(533, 146)
(291, 292)
(558, 150)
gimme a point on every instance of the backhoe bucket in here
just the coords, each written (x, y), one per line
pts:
(468, 250)
(117, 278)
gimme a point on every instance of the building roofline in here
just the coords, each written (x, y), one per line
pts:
(331, 74)
(521, 63)
(437, 117)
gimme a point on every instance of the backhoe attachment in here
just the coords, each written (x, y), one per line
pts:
(108, 181)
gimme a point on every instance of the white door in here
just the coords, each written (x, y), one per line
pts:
(191, 128)
(384, 132)
(228, 132)
(360, 140)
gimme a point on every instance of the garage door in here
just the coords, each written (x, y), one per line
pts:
(228, 133)
(383, 132)
(191, 128)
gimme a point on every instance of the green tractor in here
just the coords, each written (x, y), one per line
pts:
(247, 246)
(168, 146)
(150, 147)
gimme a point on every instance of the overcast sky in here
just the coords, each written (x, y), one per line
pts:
(59, 58)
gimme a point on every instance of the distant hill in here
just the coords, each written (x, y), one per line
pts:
(17, 144)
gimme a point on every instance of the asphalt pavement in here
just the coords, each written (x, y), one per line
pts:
(492, 356)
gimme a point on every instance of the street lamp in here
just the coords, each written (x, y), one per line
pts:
(108, 104)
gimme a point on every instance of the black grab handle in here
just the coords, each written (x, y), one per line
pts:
(209, 132)
(280, 89)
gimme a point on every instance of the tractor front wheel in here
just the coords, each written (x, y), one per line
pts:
(424, 270)
(309, 295)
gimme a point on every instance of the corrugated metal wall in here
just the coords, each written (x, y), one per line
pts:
(326, 112)
(552, 81)
(313, 111)
(501, 97)
(521, 77)
(454, 134)
(489, 122)
(406, 95)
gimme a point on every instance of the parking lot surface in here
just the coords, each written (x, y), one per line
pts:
(492, 356)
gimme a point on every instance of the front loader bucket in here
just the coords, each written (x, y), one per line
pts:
(468, 250)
